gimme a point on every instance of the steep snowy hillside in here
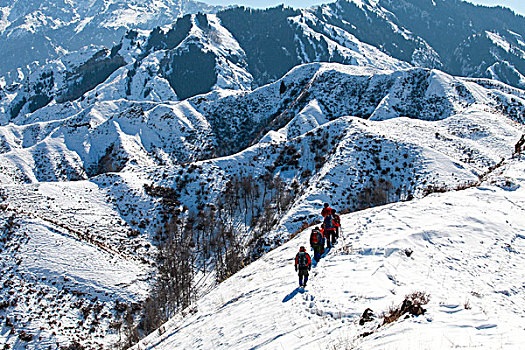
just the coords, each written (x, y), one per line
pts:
(70, 269)
(301, 133)
(497, 56)
(44, 30)
(471, 40)
(443, 35)
(464, 249)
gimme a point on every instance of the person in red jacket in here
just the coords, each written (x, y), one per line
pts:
(303, 264)
(326, 210)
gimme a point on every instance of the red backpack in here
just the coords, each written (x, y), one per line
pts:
(316, 238)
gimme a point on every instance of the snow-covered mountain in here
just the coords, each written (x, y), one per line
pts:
(471, 40)
(241, 49)
(110, 158)
(353, 136)
(157, 65)
(87, 137)
(455, 36)
(43, 30)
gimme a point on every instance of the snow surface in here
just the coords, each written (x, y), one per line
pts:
(467, 255)
(499, 40)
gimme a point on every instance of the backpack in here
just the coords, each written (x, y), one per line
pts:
(329, 222)
(316, 238)
(302, 262)
(326, 211)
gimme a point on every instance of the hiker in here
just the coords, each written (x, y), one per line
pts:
(337, 222)
(303, 264)
(329, 229)
(317, 243)
(326, 210)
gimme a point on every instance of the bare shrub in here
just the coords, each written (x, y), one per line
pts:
(412, 305)
(24, 336)
(519, 146)
(434, 188)
(303, 227)
(75, 345)
(466, 185)
(367, 316)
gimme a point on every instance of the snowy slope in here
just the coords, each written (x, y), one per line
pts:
(340, 160)
(466, 255)
(67, 263)
(102, 139)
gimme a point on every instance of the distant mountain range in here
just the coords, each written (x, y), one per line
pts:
(40, 30)
(241, 48)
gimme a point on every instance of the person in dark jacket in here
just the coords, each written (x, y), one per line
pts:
(337, 222)
(329, 229)
(303, 264)
(317, 243)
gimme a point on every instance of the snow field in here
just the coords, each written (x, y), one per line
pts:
(467, 255)
(65, 289)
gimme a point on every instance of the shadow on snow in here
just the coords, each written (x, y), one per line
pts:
(293, 293)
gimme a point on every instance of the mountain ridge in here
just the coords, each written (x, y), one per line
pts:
(242, 49)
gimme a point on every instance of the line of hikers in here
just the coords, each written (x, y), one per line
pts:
(329, 233)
